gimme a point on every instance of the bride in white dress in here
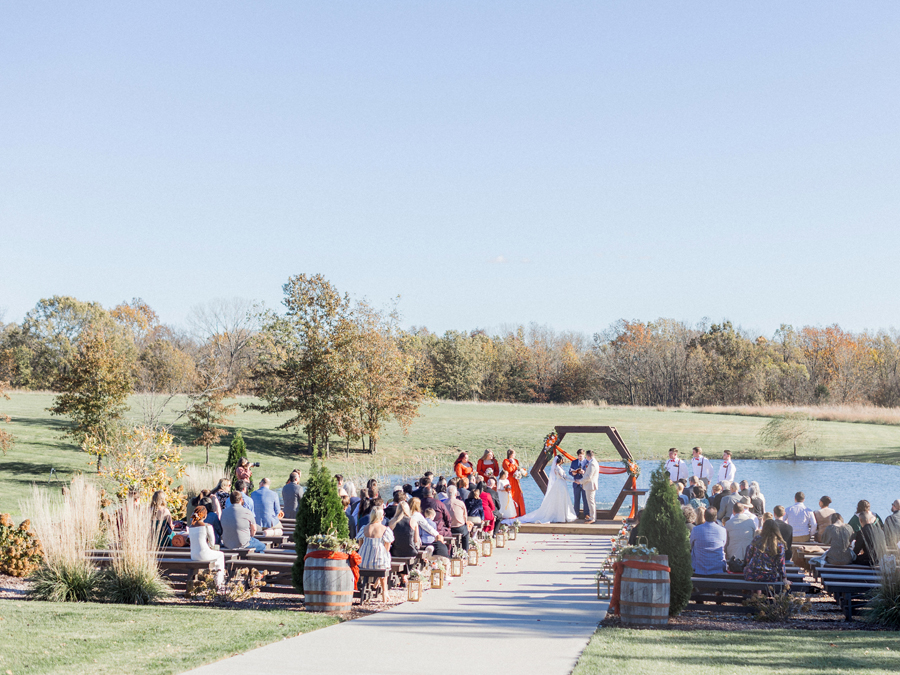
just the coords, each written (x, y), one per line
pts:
(557, 504)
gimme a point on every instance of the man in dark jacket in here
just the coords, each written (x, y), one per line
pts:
(441, 512)
(787, 532)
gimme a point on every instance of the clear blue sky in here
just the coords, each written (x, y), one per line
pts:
(492, 163)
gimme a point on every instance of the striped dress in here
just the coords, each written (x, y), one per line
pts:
(372, 551)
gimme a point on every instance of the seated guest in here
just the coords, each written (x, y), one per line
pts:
(490, 488)
(351, 521)
(863, 507)
(892, 529)
(203, 539)
(766, 555)
(442, 517)
(682, 498)
(375, 547)
(462, 489)
(838, 536)
(221, 493)
(801, 520)
(339, 481)
(474, 507)
(729, 498)
(406, 537)
(714, 496)
(459, 518)
(424, 482)
(699, 500)
(162, 518)
(740, 530)
(690, 517)
(748, 509)
(708, 545)
(429, 537)
(242, 486)
(266, 507)
(399, 496)
(823, 515)
(212, 519)
(695, 482)
(869, 544)
(786, 531)
(239, 525)
(744, 490)
(291, 494)
(487, 505)
(756, 500)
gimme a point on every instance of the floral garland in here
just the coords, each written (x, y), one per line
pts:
(331, 542)
(550, 439)
(633, 469)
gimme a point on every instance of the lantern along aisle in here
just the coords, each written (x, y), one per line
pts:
(330, 573)
(437, 577)
(474, 555)
(513, 531)
(414, 587)
(641, 589)
(500, 538)
(456, 567)
(487, 547)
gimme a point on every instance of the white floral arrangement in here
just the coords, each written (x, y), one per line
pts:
(520, 474)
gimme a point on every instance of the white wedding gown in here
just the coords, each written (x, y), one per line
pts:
(557, 505)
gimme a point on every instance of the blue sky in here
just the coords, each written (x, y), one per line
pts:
(491, 163)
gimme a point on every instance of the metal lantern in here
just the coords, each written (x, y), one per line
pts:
(487, 547)
(437, 578)
(474, 555)
(500, 538)
(414, 590)
(604, 586)
(456, 567)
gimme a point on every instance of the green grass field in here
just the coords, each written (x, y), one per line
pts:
(441, 431)
(775, 652)
(45, 638)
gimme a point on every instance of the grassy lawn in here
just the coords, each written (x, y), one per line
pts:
(441, 431)
(43, 637)
(788, 652)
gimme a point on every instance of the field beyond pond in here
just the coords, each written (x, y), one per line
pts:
(44, 456)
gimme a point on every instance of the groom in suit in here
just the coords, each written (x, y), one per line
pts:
(588, 482)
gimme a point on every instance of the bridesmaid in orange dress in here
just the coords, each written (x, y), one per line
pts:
(488, 461)
(462, 466)
(511, 465)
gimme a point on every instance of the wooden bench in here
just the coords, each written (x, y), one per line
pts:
(367, 577)
(278, 571)
(733, 589)
(848, 584)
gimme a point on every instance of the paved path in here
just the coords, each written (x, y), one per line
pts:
(535, 601)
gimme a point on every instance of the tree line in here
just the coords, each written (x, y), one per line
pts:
(341, 368)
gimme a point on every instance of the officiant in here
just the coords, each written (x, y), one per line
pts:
(576, 470)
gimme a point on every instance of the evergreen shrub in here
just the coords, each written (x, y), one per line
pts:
(663, 524)
(237, 450)
(320, 512)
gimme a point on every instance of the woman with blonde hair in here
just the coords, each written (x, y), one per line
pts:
(420, 522)
(221, 493)
(488, 462)
(375, 546)
(162, 518)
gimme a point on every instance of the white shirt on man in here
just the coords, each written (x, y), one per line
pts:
(702, 467)
(801, 519)
(727, 471)
(677, 468)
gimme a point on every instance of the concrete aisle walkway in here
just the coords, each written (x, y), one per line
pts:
(534, 601)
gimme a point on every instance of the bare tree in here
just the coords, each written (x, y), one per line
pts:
(228, 326)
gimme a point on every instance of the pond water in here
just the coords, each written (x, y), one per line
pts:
(845, 482)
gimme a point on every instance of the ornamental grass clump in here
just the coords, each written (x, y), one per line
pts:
(199, 477)
(20, 550)
(663, 525)
(133, 576)
(884, 607)
(778, 607)
(68, 527)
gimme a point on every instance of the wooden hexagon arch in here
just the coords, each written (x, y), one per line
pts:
(540, 475)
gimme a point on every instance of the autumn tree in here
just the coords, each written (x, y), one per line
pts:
(208, 412)
(307, 366)
(95, 387)
(385, 389)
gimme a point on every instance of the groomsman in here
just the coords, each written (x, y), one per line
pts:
(676, 467)
(727, 470)
(702, 467)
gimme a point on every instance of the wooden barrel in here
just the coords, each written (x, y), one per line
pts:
(327, 585)
(644, 594)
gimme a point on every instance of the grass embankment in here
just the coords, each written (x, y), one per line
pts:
(775, 652)
(440, 432)
(44, 638)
